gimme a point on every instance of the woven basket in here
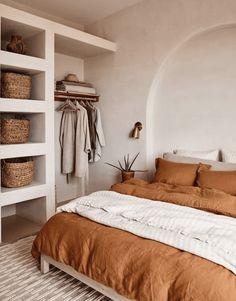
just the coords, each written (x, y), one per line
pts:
(17, 172)
(15, 85)
(14, 131)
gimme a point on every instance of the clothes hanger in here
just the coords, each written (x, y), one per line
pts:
(68, 106)
(82, 103)
(64, 104)
(90, 104)
(77, 102)
(86, 104)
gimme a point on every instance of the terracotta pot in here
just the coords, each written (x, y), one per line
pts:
(16, 45)
(127, 175)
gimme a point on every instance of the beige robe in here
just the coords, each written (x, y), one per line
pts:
(82, 143)
(67, 142)
(100, 138)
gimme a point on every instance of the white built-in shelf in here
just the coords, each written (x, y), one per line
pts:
(68, 40)
(17, 195)
(37, 124)
(86, 47)
(36, 202)
(8, 151)
(35, 184)
(21, 63)
(12, 62)
(33, 37)
(37, 188)
(16, 227)
(22, 105)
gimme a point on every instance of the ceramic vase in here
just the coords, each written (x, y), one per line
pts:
(16, 45)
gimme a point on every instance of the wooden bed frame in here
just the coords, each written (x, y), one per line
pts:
(110, 293)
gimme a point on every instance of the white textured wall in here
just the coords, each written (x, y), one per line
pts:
(64, 65)
(32, 10)
(195, 103)
(145, 76)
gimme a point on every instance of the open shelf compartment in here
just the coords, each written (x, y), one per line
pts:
(81, 49)
(37, 125)
(33, 38)
(26, 106)
(39, 179)
(25, 219)
(38, 80)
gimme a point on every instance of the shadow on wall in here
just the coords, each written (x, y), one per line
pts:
(192, 100)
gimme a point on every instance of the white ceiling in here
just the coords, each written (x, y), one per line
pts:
(81, 12)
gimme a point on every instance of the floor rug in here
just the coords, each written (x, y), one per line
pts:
(21, 279)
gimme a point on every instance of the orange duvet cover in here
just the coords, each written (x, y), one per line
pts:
(138, 268)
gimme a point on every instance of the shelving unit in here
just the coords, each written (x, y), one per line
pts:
(12, 62)
(19, 106)
(18, 62)
(8, 151)
(35, 203)
(72, 46)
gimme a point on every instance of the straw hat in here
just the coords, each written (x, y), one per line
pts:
(71, 78)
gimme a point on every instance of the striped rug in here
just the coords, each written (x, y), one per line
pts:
(21, 280)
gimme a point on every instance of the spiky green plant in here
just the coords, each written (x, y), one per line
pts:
(127, 165)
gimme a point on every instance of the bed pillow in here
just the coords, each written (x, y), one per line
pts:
(177, 173)
(221, 180)
(214, 164)
(207, 155)
(228, 156)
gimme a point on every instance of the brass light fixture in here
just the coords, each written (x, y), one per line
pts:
(136, 131)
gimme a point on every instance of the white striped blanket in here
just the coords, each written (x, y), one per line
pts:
(201, 233)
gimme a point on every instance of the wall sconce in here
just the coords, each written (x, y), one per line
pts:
(136, 131)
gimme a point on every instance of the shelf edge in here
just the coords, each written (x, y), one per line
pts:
(22, 194)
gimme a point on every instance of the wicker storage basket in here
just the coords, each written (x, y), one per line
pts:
(15, 85)
(17, 172)
(14, 131)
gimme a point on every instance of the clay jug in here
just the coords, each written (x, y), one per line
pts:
(16, 45)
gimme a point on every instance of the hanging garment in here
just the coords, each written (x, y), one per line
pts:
(92, 116)
(82, 142)
(100, 138)
(67, 141)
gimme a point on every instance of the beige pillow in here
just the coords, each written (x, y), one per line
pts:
(214, 164)
(206, 155)
(228, 156)
(177, 173)
(221, 180)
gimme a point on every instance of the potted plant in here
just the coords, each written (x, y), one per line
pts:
(126, 168)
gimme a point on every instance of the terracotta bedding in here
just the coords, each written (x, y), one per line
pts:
(139, 268)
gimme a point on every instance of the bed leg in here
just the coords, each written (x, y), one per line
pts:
(44, 265)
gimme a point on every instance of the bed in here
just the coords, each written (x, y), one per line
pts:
(127, 262)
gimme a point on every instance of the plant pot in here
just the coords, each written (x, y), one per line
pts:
(127, 175)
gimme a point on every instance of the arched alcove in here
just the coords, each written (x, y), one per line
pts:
(192, 100)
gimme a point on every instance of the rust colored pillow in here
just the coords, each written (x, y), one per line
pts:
(221, 180)
(177, 173)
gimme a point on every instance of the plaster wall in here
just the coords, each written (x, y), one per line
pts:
(195, 103)
(178, 83)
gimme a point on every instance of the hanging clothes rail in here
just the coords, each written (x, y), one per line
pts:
(62, 96)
